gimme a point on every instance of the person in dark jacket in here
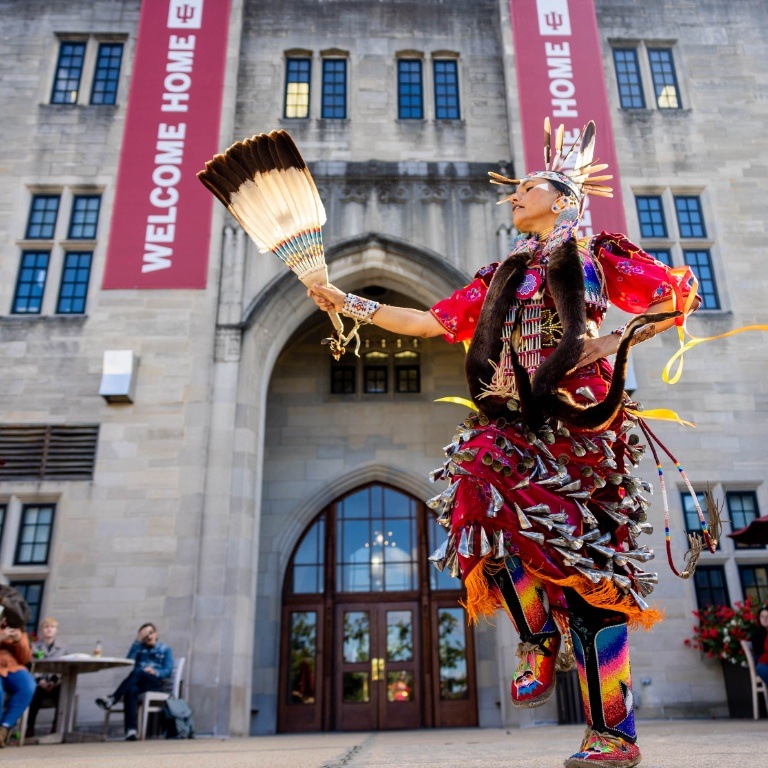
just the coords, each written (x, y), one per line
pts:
(154, 664)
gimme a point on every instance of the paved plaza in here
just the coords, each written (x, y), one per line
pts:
(665, 744)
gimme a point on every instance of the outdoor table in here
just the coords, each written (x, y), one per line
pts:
(69, 667)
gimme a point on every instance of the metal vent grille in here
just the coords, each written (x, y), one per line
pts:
(48, 451)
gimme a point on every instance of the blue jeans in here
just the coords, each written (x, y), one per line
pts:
(20, 688)
(762, 671)
(129, 690)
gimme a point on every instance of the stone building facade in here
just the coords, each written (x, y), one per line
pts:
(239, 433)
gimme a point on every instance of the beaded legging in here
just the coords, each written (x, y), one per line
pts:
(600, 645)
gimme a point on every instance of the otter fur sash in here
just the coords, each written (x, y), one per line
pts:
(565, 279)
(540, 398)
(487, 343)
(561, 405)
(566, 284)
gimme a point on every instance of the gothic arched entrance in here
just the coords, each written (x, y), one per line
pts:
(372, 635)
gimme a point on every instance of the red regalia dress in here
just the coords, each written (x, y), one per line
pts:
(562, 500)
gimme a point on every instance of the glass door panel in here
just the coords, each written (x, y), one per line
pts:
(453, 694)
(356, 669)
(452, 653)
(303, 657)
(401, 704)
(356, 637)
(302, 695)
(356, 649)
(399, 636)
(378, 667)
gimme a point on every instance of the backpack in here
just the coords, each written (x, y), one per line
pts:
(177, 717)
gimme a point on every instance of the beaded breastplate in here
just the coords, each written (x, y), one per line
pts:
(532, 323)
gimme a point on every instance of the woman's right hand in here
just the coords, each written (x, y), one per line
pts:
(328, 298)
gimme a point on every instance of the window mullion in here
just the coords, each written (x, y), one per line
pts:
(89, 68)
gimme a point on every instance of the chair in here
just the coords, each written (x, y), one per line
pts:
(49, 702)
(758, 684)
(152, 701)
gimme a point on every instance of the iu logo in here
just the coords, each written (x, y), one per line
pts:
(185, 14)
(554, 18)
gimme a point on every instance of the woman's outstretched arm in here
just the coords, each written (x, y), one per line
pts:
(409, 322)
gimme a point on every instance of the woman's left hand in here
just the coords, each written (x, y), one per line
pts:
(10, 635)
(594, 349)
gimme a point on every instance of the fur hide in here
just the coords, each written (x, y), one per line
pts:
(540, 398)
(561, 406)
(486, 341)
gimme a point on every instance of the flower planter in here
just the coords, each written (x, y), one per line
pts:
(738, 690)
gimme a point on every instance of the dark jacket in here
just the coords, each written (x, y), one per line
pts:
(159, 657)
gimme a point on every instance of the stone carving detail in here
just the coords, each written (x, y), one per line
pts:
(394, 192)
(433, 193)
(356, 192)
(227, 344)
(473, 193)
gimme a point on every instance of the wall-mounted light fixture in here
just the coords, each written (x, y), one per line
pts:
(118, 377)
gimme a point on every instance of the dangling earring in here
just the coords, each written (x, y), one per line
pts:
(567, 210)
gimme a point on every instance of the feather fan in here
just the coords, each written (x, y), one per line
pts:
(266, 185)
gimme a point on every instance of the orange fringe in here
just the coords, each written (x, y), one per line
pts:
(608, 597)
(482, 601)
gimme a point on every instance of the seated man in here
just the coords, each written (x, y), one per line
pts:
(154, 663)
(48, 686)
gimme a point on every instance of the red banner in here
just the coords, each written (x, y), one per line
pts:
(560, 74)
(161, 218)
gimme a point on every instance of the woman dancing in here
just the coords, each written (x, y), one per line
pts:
(543, 514)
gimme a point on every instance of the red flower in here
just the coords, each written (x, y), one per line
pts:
(720, 629)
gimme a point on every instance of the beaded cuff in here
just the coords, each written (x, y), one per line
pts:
(362, 310)
(645, 333)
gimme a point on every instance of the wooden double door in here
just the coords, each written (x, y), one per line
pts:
(378, 666)
(373, 637)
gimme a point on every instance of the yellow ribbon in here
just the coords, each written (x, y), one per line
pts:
(661, 414)
(458, 401)
(685, 346)
(672, 378)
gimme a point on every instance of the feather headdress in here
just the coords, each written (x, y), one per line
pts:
(266, 185)
(573, 170)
